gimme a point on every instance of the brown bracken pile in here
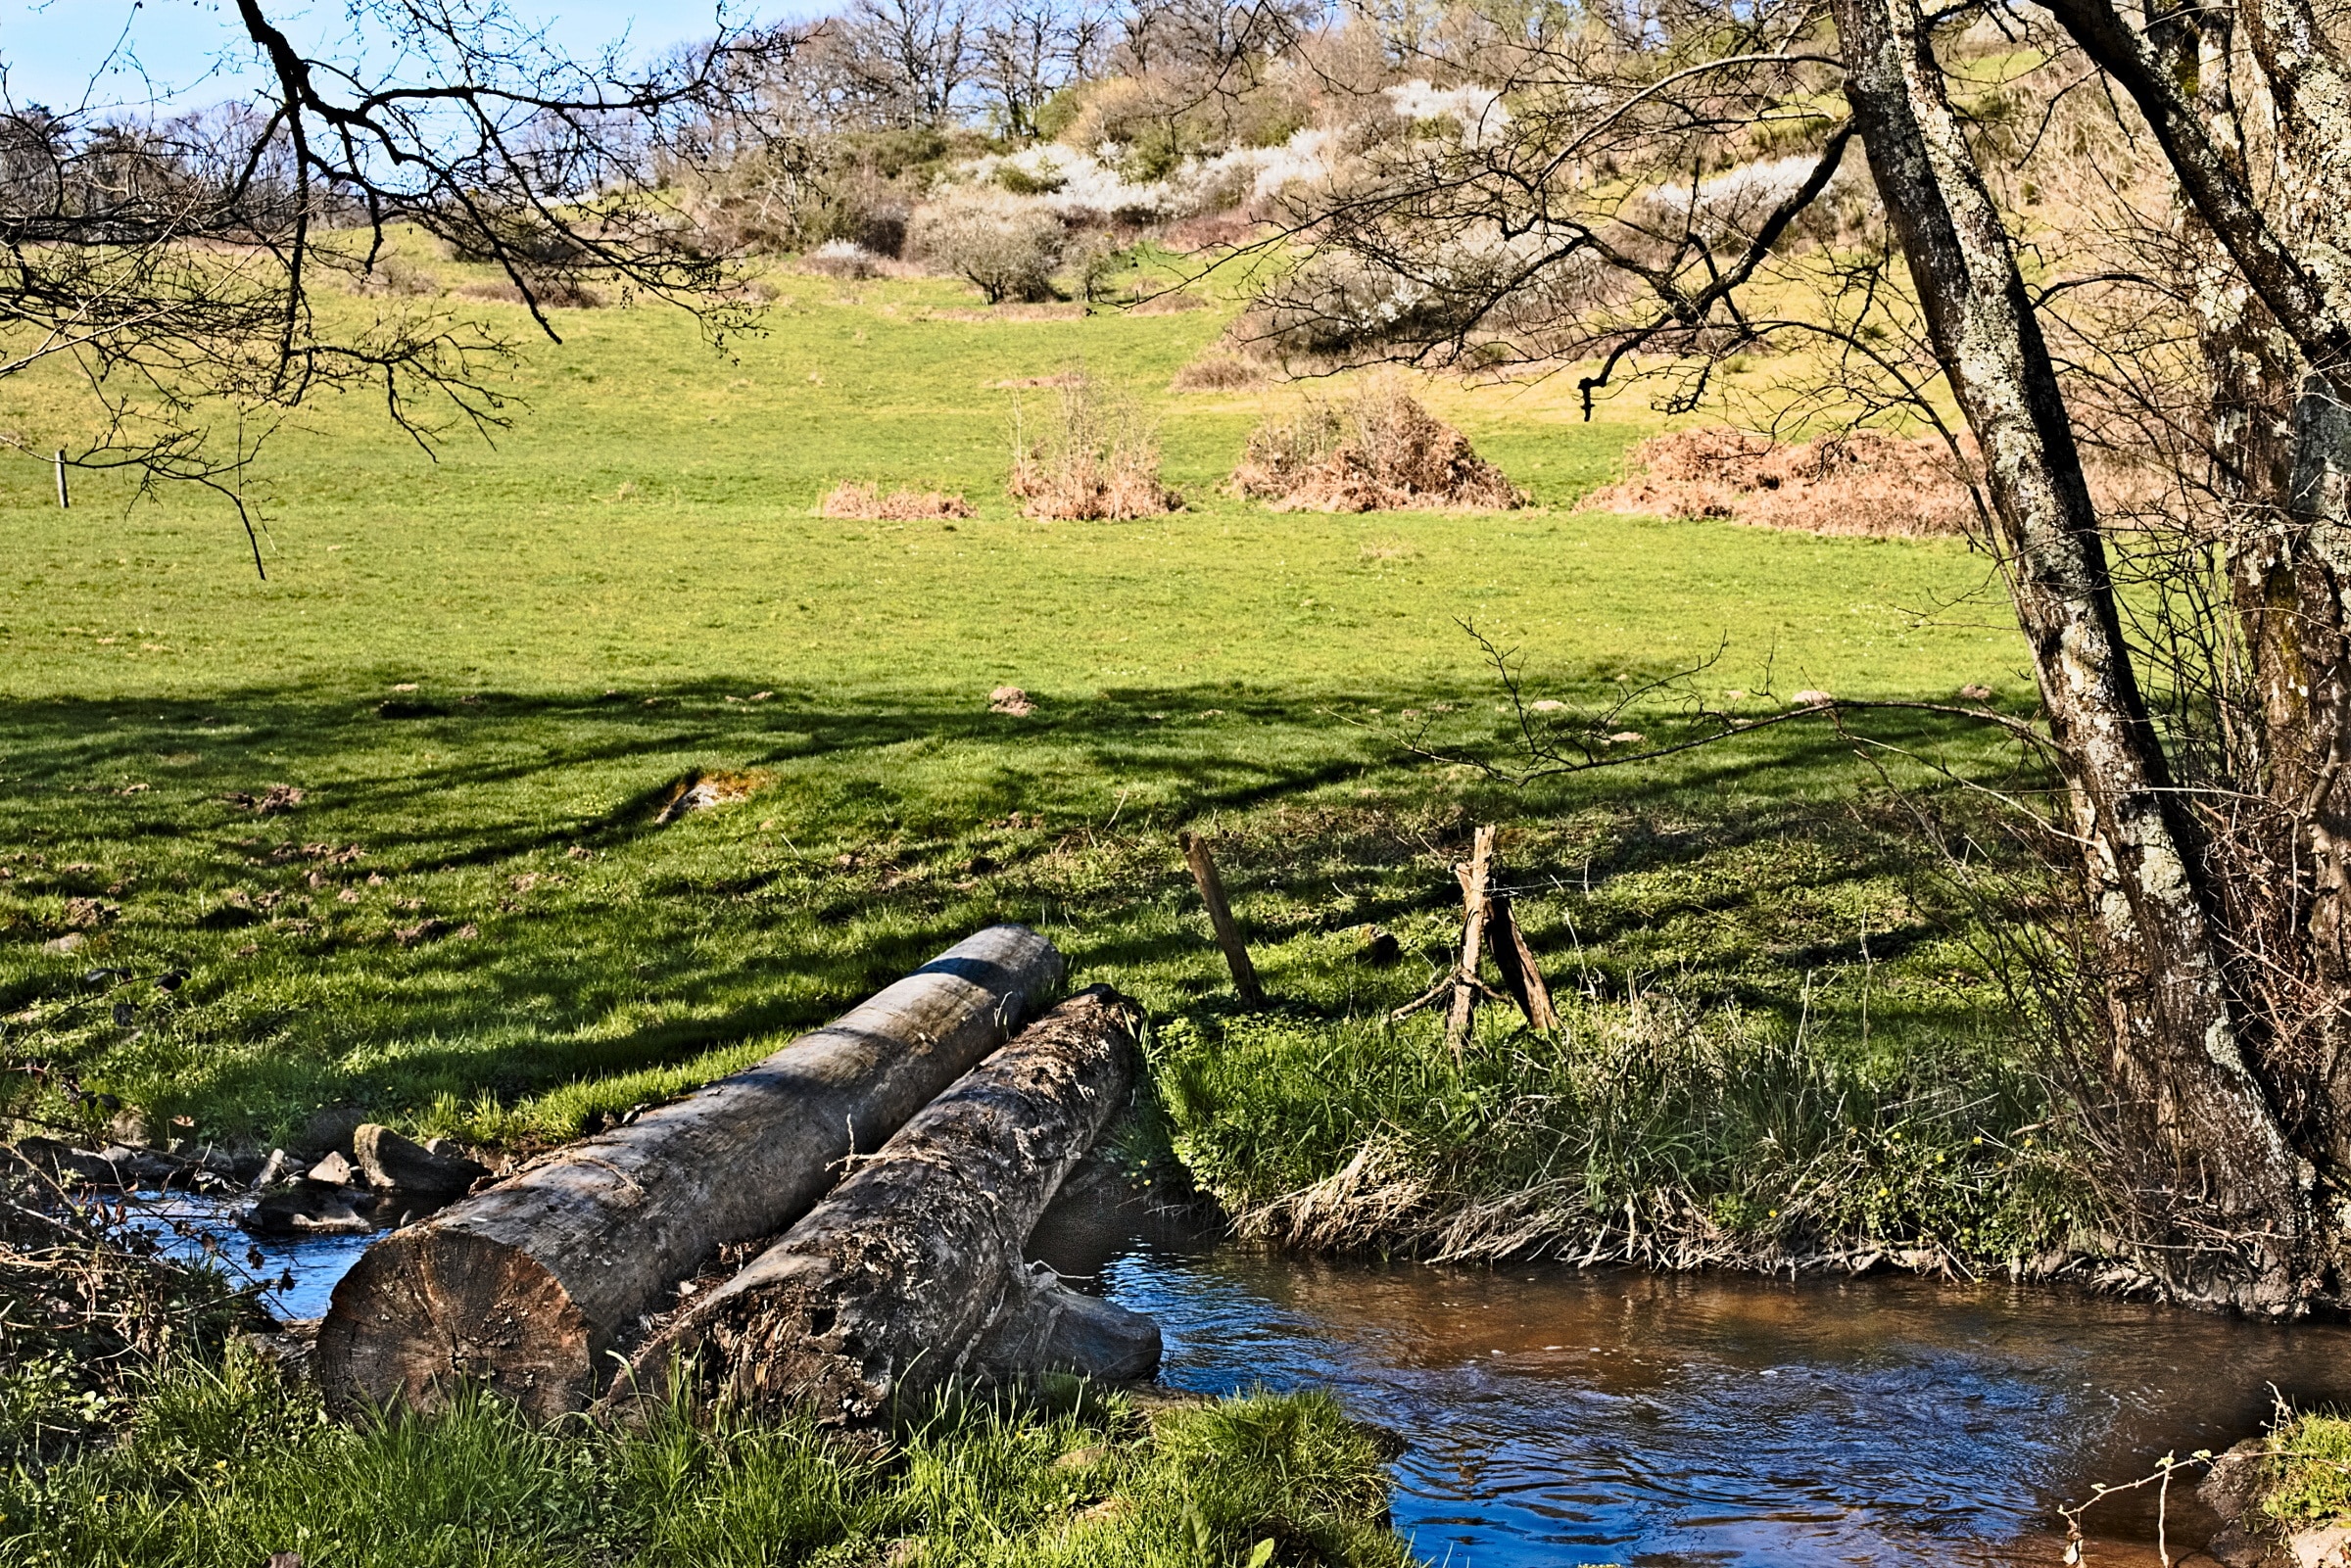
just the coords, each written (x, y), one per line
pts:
(1862, 482)
(1378, 451)
(867, 504)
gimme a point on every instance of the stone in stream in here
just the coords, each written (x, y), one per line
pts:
(391, 1161)
(116, 1167)
(331, 1127)
(334, 1171)
(311, 1209)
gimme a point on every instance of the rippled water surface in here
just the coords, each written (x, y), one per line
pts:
(1608, 1417)
(1559, 1416)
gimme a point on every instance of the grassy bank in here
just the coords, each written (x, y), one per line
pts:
(223, 1466)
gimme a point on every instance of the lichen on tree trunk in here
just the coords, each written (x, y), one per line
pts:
(2179, 1051)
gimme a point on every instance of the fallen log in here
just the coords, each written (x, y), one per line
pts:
(878, 1295)
(1047, 1327)
(529, 1285)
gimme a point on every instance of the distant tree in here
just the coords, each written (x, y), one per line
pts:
(912, 59)
(167, 270)
(1029, 50)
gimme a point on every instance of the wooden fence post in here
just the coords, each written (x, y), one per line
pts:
(1219, 917)
(64, 501)
(1473, 930)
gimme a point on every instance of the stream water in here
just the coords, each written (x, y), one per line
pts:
(1564, 1416)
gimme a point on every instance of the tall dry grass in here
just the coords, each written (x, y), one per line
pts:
(1646, 1131)
(1092, 455)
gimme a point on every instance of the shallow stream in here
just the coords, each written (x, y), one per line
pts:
(1559, 1416)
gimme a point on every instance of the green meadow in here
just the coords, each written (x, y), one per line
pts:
(486, 670)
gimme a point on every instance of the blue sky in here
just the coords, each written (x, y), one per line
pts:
(191, 52)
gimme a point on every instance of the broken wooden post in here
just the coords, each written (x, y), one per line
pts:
(1219, 917)
(880, 1293)
(527, 1285)
(1463, 1013)
(1516, 961)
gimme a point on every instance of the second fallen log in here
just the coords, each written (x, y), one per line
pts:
(883, 1291)
(529, 1285)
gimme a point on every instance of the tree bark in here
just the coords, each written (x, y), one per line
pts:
(2177, 1042)
(879, 1296)
(530, 1285)
(2275, 453)
(1516, 961)
(2296, 292)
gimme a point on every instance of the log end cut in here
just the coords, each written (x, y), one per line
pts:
(778, 1337)
(429, 1308)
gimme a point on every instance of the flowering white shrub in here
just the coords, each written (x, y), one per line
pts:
(1478, 110)
(1737, 201)
(1079, 185)
(1005, 245)
(843, 259)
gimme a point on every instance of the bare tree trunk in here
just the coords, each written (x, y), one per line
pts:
(2176, 1038)
(2280, 873)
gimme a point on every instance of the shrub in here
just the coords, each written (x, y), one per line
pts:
(1378, 451)
(1092, 258)
(842, 259)
(1003, 244)
(398, 276)
(1218, 371)
(1338, 305)
(1095, 458)
(555, 291)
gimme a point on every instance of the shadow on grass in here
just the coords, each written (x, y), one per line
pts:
(517, 919)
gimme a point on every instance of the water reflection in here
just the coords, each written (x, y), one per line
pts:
(295, 1274)
(1565, 1416)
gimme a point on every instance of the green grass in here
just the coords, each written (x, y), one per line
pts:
(224, 1466)
(629, 586)
(2309, 1471)
(471, 921)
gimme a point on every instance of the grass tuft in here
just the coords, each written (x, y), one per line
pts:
(2309, 1479)
(1647, 1131)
